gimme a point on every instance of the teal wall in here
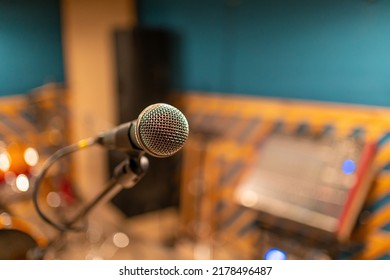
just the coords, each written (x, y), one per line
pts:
(30, 45)
(331, 50)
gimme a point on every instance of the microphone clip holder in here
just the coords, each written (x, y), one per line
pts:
(131, 170)
(126, 175)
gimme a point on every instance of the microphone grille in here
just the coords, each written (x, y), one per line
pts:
(161, 130)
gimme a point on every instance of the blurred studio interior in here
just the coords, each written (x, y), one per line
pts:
(284, 129)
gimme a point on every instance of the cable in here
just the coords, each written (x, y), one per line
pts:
(85, 143)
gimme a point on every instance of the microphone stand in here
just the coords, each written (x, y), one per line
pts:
(126, 175)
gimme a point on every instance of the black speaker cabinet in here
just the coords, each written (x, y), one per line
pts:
(143, 78)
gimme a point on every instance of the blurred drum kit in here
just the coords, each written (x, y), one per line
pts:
(32, 127)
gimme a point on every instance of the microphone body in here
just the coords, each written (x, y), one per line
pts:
(119, 138)
(160, 130)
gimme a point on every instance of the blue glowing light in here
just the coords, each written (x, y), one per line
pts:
(349, 166)
(275, 254)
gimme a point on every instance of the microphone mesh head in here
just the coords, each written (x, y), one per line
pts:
(161, 130)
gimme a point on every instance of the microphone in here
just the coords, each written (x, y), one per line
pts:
(160, 130)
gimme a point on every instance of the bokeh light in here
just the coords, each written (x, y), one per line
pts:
(275, 254)
(120, 240)
(53, 199)
(22, 183)
(349, 166)
(31, 156)
(5, 161)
